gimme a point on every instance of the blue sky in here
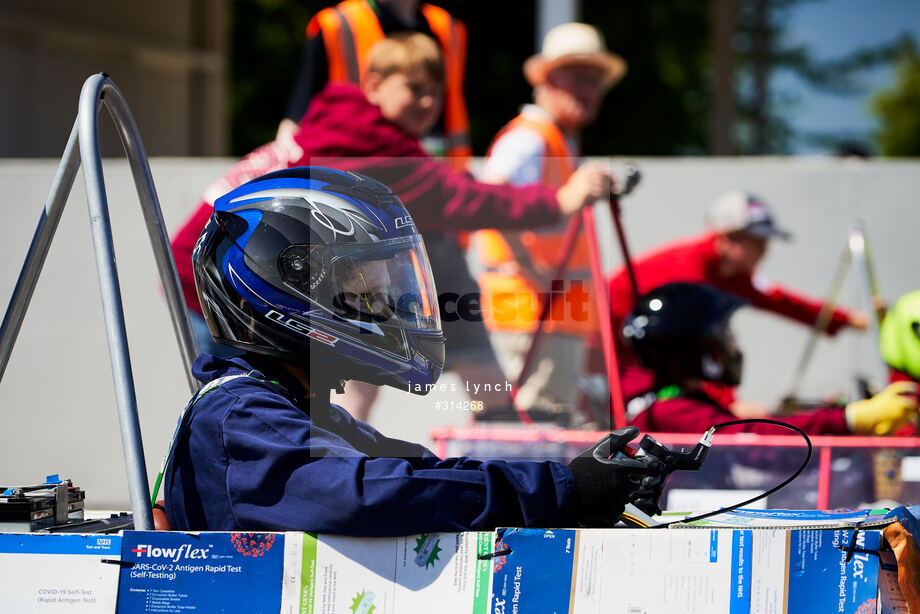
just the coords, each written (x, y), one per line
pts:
(831, 29)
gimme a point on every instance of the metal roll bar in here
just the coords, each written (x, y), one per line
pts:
(99, 90)
(855, 253)
(871, 294)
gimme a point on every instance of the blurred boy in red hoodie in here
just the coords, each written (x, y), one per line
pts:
(375, 130)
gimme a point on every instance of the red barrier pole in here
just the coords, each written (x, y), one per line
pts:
(824, 478)
(602, 302)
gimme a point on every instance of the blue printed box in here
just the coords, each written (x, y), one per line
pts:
(702, 571)
(166, 573)
(820, 577)
(643, 571)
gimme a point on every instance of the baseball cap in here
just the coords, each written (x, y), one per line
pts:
(740, 210)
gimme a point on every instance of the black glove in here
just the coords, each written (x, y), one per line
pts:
(606, 481)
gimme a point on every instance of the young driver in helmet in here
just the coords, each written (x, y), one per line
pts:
(375, 129)
(727, 256)
(320, 276)
(680, 332)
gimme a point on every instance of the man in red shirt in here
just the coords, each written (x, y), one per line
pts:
(726, 256)
(739, 227)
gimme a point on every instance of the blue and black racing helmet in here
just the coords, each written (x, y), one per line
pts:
(326, 270)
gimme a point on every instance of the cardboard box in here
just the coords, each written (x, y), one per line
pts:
(176, 572)
(58, 573)
(329, 574)
(698, 571)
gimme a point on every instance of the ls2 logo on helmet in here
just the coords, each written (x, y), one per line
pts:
(402, 222)
(301, 328)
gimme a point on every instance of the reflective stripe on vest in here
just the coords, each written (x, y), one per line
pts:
(511, 298)
(558, 158)
(351, 28)
(452, 36)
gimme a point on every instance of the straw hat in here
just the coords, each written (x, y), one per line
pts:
(574, 43)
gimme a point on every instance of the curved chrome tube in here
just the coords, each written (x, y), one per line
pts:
(99, 90)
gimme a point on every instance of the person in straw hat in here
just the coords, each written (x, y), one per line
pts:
(570, 76)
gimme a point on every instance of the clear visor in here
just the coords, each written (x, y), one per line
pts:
(386, 283)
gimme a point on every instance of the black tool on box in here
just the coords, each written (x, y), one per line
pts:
(31, 508)
(640, 513)
(56, 506)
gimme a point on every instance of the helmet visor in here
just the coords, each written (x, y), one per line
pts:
(386, 283)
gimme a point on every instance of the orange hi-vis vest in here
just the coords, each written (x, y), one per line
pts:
(351, 28)
(510, 300)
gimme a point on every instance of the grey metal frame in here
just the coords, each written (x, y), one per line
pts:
(855, 253)
(869, 290)
(99, 90)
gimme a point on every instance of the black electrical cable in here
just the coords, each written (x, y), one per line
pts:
(765, 493)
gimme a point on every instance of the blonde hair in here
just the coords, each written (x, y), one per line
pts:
(407, 52)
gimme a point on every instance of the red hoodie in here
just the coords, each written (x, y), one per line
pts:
(343, 130)
(695, 260)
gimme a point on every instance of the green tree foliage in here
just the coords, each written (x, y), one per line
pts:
(267, 42)
(658, 109)
(763, 126)
(898, 108)
(660, 106)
